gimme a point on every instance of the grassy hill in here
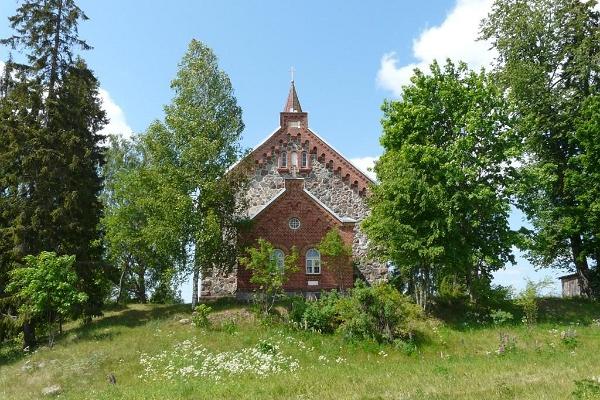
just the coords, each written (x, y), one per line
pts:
(155, 355)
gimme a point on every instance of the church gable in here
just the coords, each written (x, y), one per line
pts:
(294, 150)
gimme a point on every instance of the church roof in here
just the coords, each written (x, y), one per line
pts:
(292, 103)
(325, 153)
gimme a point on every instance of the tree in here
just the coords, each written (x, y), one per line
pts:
(141, 240)
(548, 54)
(45, 289)
(267, 274)
(588, 126)
(337, 255)
(192, 152)
(50, 155)
(48, 29)
(441, 206)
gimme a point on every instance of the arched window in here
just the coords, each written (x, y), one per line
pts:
(283, 160)
(304, 159)
(294, 159)
(279, 257)
(313, 261)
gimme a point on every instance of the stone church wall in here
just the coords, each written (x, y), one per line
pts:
(330, 189)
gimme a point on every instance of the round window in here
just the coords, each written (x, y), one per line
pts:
(294, 223)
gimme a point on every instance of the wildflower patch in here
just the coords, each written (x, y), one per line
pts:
(188, 360)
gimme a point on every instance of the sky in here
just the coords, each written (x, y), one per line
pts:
(349, 56)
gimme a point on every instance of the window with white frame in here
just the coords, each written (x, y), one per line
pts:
(294, 223)
(294, 159)
(279, 258)
(313, 262)
(304, 159)
(283, 160)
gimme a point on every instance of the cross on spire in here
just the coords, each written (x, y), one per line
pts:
(292, 70)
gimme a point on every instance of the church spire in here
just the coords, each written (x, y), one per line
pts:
(292, 104)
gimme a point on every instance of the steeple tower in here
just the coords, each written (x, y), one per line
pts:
(292, 104)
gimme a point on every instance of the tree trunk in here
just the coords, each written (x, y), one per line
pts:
(581, 265)
(29, 341)
(141, 286)
(122, 281)
(195, 278)
(55, 50)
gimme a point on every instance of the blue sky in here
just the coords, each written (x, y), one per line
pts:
(348, 55)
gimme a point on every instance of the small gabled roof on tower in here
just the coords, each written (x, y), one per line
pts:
(292, 104)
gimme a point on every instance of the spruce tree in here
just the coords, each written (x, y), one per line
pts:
(50, 155)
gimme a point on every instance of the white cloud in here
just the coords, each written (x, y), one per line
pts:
(117, 124)
(454, 38)
(365, 164)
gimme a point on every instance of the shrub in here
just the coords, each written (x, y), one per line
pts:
(319, 315)
(377, 312)
(200, 316)
(500, 317)
(528, 300)
(229, 326)
(267, 274)
(46, 291)
(296, 308)
(569, 338)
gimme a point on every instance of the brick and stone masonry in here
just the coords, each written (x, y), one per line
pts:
(297, 174)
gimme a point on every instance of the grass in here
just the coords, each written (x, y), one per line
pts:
(450, 363)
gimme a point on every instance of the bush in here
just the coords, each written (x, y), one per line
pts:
(377, 312)
(319, 315)
(200, 316)
(569, 338)
(528, 300)
(500, 317)
(297, 306)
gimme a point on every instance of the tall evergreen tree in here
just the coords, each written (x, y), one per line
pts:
(48, 30)
(51, 155)
(549, 60)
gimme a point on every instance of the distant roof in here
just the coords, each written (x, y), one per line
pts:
(569, 276)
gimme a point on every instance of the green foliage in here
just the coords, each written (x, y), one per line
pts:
(190, 155)
(45, 289)
(267, 275)
(319, 315)
(568, 338)
(528, 300)
(50, 153)
(500, 317)
(337, 255)
(200, 316)
(377, 312)
(441, 206)
(47, 29)
(143, 239)
(548, 65)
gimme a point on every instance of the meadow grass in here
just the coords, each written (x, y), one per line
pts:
(452, 361)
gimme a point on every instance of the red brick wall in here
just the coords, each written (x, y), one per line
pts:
(272, 224)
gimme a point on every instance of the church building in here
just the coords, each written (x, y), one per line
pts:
(301, 187)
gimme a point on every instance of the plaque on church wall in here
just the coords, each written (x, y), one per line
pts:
(313, 283)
